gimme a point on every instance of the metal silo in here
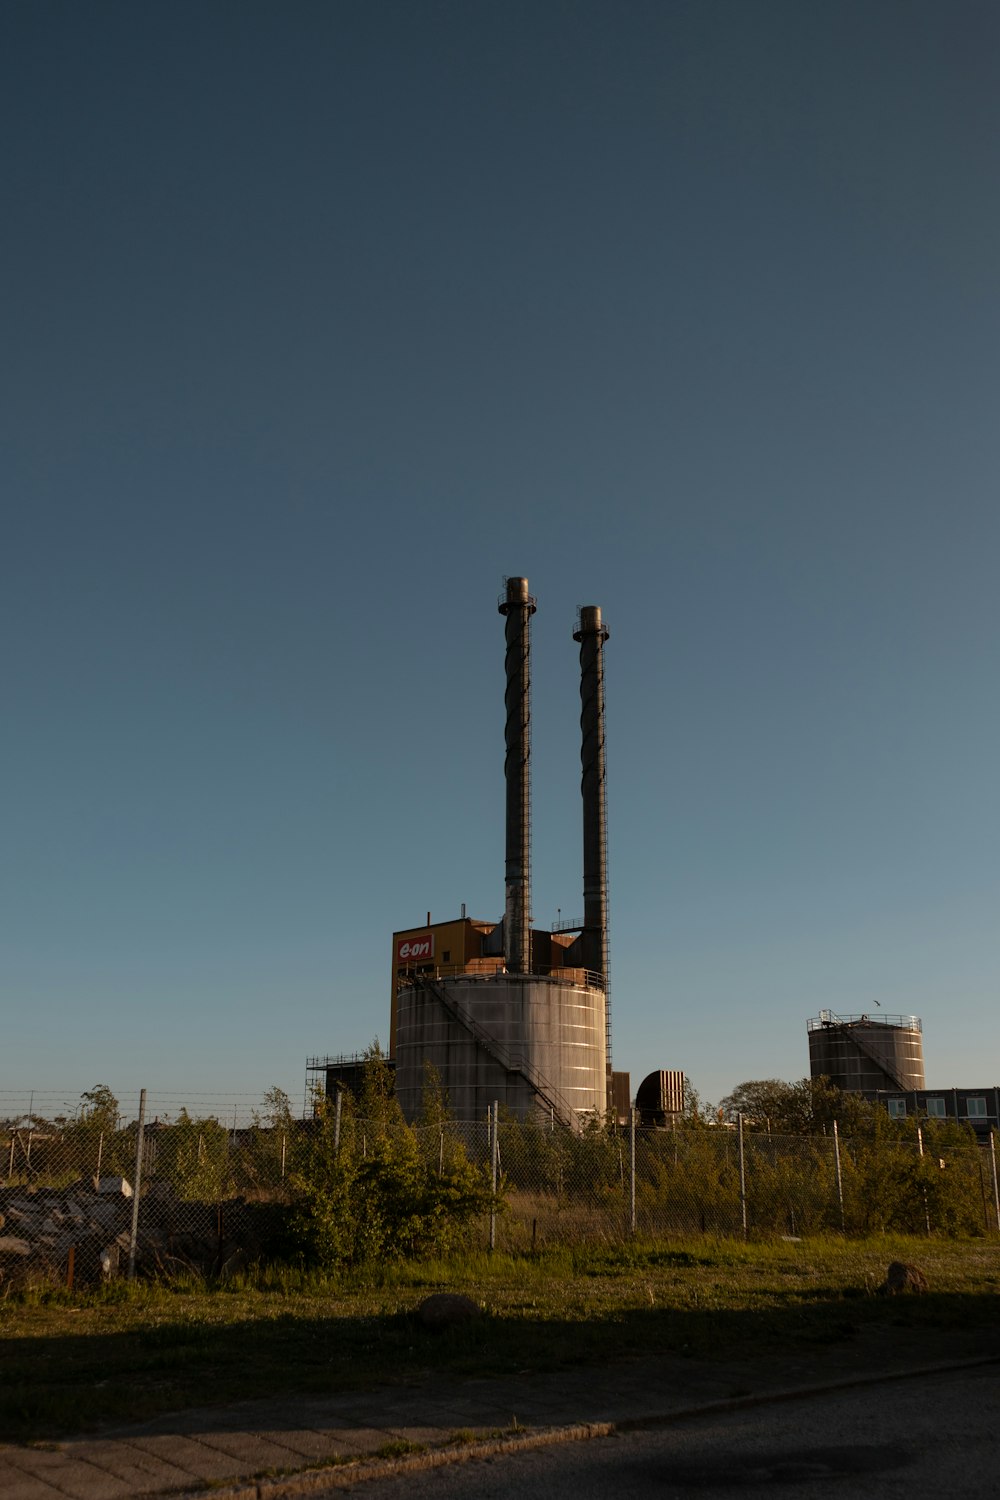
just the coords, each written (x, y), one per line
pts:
(862, 1054)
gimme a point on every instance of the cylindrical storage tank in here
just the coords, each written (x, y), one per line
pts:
(535, 1044)
(863, 1054)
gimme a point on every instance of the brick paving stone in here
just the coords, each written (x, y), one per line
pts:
(309, 1444)
(200, 1461)
(128, 1462)
(35, 1460)
(252, 1452)
(65, 1475)
(69, 1476)
(355, 1439)
(417, 1434)
(15, 1484)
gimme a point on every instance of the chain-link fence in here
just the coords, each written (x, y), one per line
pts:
(89, 1198)
(561, 1188)
(93, 1197)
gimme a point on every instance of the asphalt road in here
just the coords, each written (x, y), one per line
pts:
(918, 1439)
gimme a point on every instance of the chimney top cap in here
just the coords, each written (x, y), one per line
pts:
(589, 622)
(516, 596)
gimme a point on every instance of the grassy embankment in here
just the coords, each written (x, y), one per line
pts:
(69, 1362)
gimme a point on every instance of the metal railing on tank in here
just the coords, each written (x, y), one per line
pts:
(560, 973)
(828, 1018)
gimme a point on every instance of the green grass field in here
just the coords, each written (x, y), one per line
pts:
(70, 1363)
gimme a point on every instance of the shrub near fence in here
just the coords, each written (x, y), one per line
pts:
(345, 1185)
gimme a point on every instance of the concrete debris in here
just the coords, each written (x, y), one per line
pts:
(40, 1226)
(116, 1186)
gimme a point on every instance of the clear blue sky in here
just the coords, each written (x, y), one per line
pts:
(321, 318)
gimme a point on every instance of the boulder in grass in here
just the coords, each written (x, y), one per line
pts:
(447, 1310)
(902, 1278)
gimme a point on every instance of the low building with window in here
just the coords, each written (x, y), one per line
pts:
(978, 1107)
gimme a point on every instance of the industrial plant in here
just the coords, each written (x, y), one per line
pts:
(503, 1012)
(506, 1012)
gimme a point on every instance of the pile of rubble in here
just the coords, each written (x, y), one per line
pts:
(80, 1232)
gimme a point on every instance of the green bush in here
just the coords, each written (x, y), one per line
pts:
(373, 1195)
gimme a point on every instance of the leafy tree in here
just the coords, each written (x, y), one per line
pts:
(99, 1108)
(696, 1112)
(278, 1112)
(94, 1139)
(808, 1107)
(268, 1150)
(193, 1155)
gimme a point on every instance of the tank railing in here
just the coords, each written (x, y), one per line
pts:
(829, 1018)
(545, 1091)
(344, 1060)
(555, 973)
(528, 601)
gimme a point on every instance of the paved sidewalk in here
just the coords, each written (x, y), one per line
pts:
(281, 1442)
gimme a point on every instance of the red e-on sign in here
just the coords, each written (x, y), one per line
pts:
(415, 950)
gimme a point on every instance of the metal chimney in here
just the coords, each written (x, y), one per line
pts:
(591, 632)
(518, 606)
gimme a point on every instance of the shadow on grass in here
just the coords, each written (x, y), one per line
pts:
(63, 1384)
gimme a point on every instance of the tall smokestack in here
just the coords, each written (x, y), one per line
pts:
(591, 632)
(518, 606)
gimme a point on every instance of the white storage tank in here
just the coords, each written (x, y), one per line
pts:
(533, 1043)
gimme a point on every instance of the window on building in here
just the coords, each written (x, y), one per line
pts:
(897, 1109)
(975, 1108)
(446, 956)
(936, 1108)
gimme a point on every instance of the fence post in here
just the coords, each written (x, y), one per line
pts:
(10, 1166)
(284, 1148)
(100, 1153)
(993, 1164)
(840, 1180)
(337, 1104)
(631, 1166)
(494, 1164)
(137, 1184)
(923, 1186)
(743, 1178)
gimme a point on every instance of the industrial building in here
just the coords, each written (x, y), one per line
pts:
(978, 1107)
(505, 1012)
